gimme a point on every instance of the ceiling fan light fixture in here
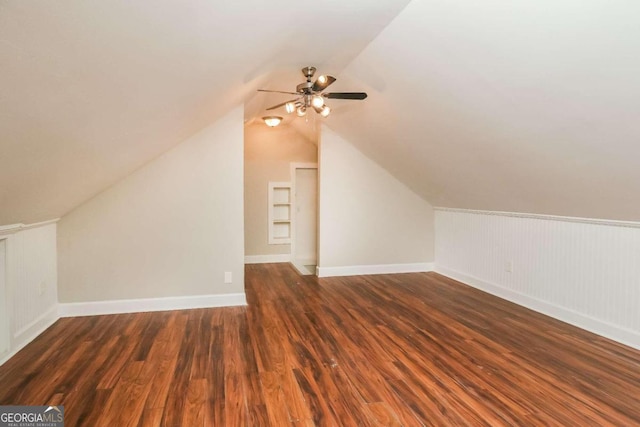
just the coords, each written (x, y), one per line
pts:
(290, 107)
(272, 121)
(311, 95)
(317, 101)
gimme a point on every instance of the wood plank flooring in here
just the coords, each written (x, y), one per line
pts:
(388, 350)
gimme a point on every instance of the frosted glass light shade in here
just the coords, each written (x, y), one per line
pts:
(317, 101)
(272, 121)
(290, 107)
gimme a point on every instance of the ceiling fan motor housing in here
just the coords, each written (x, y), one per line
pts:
(306, 87)
(308, 72)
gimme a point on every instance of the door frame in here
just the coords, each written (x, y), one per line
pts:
(293, 167)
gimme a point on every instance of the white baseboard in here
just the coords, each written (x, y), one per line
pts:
(30, 332)
(305, 260)
(303, 270)
(266, 259)
(27, 334)
(95, 308)
(613, 332)
(359, 270)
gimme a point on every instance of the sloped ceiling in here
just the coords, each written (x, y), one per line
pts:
(500, 105)
(516, 106)
(90, 90)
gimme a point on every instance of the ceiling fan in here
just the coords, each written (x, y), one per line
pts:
(310, 95)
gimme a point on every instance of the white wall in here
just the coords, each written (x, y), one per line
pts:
(268, 153)
(369, 222)
(171, 229)
(30, 281)
(584, 272)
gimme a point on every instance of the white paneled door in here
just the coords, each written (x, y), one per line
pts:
(306, 217)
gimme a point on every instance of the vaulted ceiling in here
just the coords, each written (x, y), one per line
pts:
(91, 90)
(516, 106)
(501, 105)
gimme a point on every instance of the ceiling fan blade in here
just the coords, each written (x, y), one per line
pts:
(280, 105)
(345, 95)
(322, 83)
(278, 91)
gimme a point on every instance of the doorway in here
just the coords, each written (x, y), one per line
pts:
(4, 313)
(269, 154)
(304, 241)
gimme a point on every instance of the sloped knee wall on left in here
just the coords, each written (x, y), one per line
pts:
(171, 229)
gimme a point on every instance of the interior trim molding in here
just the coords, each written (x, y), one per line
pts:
(14, 228)
(627, 224)
(96, 308)
(266, 259)
(10, 229)
(607, 330)
(361, 270)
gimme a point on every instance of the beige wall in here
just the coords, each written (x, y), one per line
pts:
(368, 217)
(172, 228)
(268, 153)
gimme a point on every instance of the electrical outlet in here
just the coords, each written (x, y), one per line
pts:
(508, 266)
(42, 288)
(227, 277)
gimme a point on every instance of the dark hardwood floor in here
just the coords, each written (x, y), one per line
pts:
(389, 350)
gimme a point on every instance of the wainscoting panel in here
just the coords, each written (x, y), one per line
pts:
(34, 260)
(585, 272)
(31, 281)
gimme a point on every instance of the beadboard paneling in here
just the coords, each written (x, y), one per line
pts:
(35, 290)
(31, 282)
(585, 272)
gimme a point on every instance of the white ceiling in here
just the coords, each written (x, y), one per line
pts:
(92, 90)
(501, 105)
